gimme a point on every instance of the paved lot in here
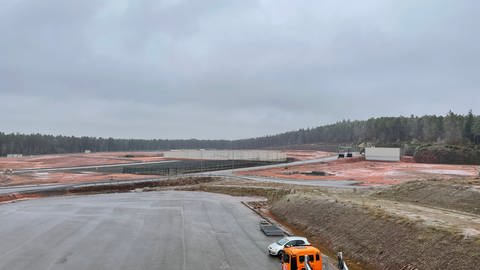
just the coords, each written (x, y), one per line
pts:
(153, 230)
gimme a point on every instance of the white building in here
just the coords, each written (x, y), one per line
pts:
(382, 154)
(261, 155)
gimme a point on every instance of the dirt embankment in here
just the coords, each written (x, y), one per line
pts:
(35, 178)
(374, 237)
(107, 188)
(460, 195)
(271, 193)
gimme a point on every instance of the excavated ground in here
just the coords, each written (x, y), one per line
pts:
(109, 158)
(378, 238)
(375, 228)
(369, 173)
(378, 228)
(92, 159)
(420, 224)
(36, 178)
(72, 160)
(457, 194)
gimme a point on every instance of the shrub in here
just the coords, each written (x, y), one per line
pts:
(447, 154)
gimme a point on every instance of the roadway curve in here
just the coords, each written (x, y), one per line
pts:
(318, 183)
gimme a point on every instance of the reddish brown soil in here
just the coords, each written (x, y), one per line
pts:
(369, 172)
(72, 160)
(107, 158)
(62, 177)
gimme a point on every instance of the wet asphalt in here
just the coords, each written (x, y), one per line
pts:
(145, 230)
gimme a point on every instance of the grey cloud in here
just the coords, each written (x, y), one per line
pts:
(230, 69)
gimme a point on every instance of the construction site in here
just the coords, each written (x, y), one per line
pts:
(342, 204)
(239, 135)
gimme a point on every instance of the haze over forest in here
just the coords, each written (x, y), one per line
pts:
(450, 129)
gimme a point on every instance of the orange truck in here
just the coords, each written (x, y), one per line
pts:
(301, 258)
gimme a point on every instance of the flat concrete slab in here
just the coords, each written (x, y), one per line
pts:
(151, 230)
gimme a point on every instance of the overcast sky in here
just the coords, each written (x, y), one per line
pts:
(231, 69)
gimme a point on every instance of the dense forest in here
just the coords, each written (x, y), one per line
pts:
(449, 129)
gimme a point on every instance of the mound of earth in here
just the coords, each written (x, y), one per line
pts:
(461, 195)
(375, 237)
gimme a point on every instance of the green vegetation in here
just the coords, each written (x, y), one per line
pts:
(384, 131)
(448, 154)
(35, 144)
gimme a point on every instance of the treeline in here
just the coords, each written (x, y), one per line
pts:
(450, 129)
(36, 144)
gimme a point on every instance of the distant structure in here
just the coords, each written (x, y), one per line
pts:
(14, 155)
(382, 154)
(260, 155)
(345, 151)
(88, 151)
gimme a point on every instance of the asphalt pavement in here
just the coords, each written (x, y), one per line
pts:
(145, 230)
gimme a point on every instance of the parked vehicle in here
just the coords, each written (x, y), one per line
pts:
(276, 249)
(302, 258)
